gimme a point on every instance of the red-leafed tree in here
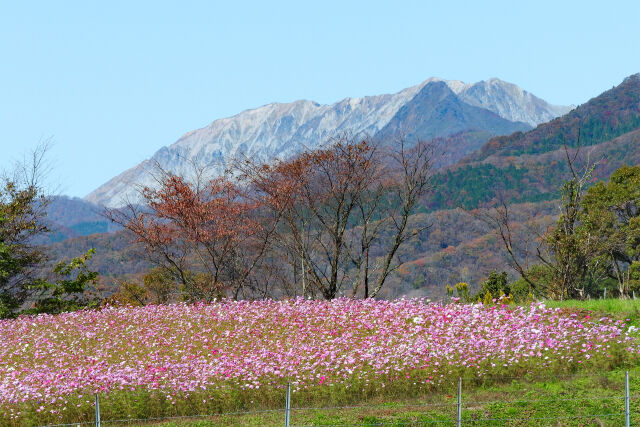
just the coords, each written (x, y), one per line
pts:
(205, 234)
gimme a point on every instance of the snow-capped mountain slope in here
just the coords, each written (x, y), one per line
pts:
(507, 100)
(436, 111)
(280, 130)
(510, 102)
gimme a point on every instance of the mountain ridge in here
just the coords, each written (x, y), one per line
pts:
(280, 130)
(531, 166)
(437, 111)
(459, 246)
(606, 116)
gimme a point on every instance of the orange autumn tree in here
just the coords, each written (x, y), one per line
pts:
(343, 212)
(205, 235)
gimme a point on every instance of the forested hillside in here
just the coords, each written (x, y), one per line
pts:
(530, 167)
(524, 169)
(73, 217)
(611, 114)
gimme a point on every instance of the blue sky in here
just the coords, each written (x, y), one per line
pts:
(112, 82)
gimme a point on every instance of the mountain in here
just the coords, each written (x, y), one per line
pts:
(72, 217)
(436, 111)
(609, 115)
(510, 102)
(530, 166)
(458, 245)
(434, 108)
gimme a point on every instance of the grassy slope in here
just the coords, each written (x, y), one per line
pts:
(581, 400)
(616, 308)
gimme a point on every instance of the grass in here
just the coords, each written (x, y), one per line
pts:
(617, 308)
(581, 400)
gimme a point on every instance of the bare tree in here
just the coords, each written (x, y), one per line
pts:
(521, 248)
(560, 248)
(567, 253)
(412, 172)
(335, 204)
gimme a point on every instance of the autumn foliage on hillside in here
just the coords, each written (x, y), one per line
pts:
(607, 116)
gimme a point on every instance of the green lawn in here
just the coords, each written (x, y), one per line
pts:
(617, 308)
(581, 400)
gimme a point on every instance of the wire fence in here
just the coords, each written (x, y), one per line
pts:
(614, 408)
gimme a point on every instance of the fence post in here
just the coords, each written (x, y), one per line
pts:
(459, 402)
(605, 293)
(287, 409)
(97, 410)
(627, 412)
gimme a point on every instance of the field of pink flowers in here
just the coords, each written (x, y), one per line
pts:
(228, 354)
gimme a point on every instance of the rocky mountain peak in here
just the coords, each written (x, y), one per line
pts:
(279, 130)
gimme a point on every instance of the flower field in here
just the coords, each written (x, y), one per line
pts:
(231, 354)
